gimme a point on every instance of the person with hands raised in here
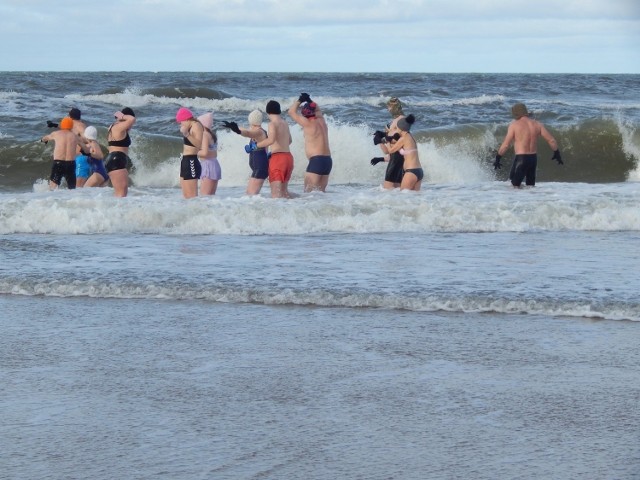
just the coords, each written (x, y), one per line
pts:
(304, 98)
(316, 142)
(118, 162)
(523, 133)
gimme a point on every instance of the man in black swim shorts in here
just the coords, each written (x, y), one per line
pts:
(64, 155)
(316, 142)
(524, 133)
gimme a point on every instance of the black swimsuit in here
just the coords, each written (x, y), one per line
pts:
(118, 160)
(125, 142)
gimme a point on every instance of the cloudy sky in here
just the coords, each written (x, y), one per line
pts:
(541, 36)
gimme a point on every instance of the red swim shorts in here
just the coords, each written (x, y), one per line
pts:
(280, 167)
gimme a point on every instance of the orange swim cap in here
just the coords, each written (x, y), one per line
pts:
(66, 123)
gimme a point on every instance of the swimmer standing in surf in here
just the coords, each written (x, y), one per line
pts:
(523, 133)
(64, 154)
(316, 142)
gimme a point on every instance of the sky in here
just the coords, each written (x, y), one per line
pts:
(431, 36)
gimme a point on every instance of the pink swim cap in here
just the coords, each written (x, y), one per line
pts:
(183, 114)
(206, 120)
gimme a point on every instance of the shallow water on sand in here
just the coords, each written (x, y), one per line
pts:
(125, 388)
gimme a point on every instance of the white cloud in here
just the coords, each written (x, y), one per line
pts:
(357, 35)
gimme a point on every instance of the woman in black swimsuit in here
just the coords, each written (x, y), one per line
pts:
(117, 162)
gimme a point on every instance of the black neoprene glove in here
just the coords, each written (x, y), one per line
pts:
(395, 136)
(51, 124)
(496, 164)
(304, 97)
(233, 126)
(557, 157)
(378, 136)
(377, 160)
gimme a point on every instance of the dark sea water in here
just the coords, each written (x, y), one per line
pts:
(461, 119)
(468, 330)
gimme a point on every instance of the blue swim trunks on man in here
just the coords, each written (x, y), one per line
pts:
(320, 165)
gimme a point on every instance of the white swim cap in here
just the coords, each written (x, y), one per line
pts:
(255, 117)
(90, 133)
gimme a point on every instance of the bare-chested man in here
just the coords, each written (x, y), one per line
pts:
(523, 133)
(64, 154)
(281, 161)
(316, 142)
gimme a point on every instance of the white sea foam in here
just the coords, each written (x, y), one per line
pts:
(483, 207)
(320, 298)
(631, 145)
(351, 149)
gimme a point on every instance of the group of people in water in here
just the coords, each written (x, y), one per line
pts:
(79, 159)
(269, 150)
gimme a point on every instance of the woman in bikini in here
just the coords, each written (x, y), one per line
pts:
(190, 167)
(118, 162)
(406, 145)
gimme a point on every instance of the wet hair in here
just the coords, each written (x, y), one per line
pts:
(273, 107)
(75, 113)
(519, 110)
(405, 123)
(395, 107)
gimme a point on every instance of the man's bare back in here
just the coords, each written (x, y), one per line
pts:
(316, 136)
(279, 132)
(524, 134)
(315, 130)
(66, 143)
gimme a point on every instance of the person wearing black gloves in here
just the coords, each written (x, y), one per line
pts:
(258, 157)
(394, 172)
(524, 133)
(316, 142)
(401, 141)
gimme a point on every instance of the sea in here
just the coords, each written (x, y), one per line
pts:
(469, 330)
